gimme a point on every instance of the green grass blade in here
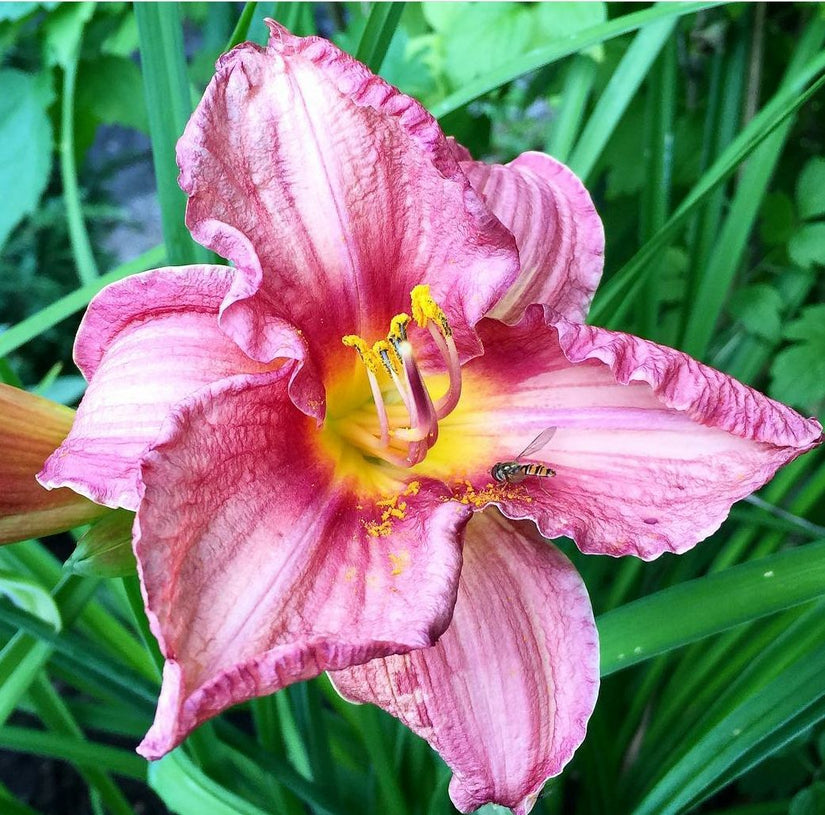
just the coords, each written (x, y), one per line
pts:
(729, 247)
(698, 608)
(31, 327)
(24, 655)
(620, 90)
(381, 24)
(539, 57)
(56, 716)
(169, 102)
(241, 30)
(789, 704)
(615, 297)
(578, 84)
(75, 750)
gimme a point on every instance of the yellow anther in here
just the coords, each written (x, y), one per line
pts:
(386, 352)
(424, 309)
(398, 327)
(367, 354)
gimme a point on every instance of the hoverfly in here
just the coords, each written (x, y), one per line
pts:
(514, 472)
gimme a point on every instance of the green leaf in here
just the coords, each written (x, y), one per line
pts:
(30, 596)
(754, 729)
(810, 189)
(538, 57)
(105, 550)
(698, 608)
(810, 801)
(562, 20)
(110, 88)
(26, 136)
(187, 791)
(759, 309)
(63, 30)
(46, 318)
(798, 372)
(378, 33)
(778, 219)
(807, 246)
(620, 90)
(169, 103)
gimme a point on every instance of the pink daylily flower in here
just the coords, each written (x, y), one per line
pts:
(311, 467)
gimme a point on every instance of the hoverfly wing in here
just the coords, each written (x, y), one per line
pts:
(538, 443)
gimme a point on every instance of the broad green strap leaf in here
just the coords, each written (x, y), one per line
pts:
(30, 596)
(187, 791)
(169, 102)
(539, 57)
(31, 327)
(791, 703)
(698, 608)
(375, 40)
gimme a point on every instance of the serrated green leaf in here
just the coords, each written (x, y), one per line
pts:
(105, 550)
(26, 136)
(63, 30)
(807, 246)
(759, 309)
(798, 372)
(556, 21)
(778, 219)
(810, 189)
(810, 801)
(27, 594)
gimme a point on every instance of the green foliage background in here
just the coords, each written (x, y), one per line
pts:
(699, 129)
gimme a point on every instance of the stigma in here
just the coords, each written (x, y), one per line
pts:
(405, 423)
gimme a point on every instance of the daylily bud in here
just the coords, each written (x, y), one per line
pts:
(30, 428)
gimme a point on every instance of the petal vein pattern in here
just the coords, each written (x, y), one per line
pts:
(325, 185)
(506, 693)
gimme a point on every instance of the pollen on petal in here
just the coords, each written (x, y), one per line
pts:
(400, 561)
(466, 493)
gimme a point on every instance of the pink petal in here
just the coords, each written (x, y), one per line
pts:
(145, 343)
(652, 447)
(557, 230)
(260, 568)
(505, 694)
(334, 195)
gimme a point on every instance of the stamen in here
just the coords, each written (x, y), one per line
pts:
(446, 345)
(428, 314)
(424, 309)
(394, 355)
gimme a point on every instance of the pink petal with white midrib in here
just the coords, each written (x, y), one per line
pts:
(378, 206)
(145, 343)
(258, 566)
(558, 233)
(651, 448)
(505, 694)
